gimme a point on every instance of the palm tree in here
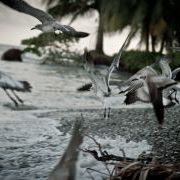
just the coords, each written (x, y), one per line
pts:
(61, 8)
(157, 20)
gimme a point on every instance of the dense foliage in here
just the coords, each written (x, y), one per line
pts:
(156, 20)
(52, 47)
(135, 60)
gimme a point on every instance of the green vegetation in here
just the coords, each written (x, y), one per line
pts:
(135, 60)
(54, 48)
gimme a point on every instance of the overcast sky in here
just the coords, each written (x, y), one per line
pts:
(15, 26)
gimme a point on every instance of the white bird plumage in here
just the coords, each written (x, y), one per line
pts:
(101, 81)
(9, 83)
(49, 24)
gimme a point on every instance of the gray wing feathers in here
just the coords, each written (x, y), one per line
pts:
(175, 72)
(166, 70)
(68, 30)
(24, 7)
(115, 63)
(143, 72)
(96, 77)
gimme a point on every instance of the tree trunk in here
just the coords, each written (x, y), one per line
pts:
(147, 41)
(99, 42)
(162, 45)
(153, 43)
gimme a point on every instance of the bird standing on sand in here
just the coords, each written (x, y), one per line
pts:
(49, 24)
(9, 83)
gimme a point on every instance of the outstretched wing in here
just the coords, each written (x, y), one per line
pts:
(156, 85)
(98, 80)
(115, 63)
(136, 81)
(175, 72)
(22, 6)
(164, 65)
(70, 31)
(156, 100)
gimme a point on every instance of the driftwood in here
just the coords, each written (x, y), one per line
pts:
(142, 168)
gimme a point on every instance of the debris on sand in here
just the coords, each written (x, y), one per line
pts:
(145, 167)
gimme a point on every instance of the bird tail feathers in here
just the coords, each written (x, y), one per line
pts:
(26, 86)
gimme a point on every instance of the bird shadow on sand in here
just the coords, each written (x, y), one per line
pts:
(20, 107)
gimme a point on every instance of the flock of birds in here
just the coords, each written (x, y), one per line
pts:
(147, 85)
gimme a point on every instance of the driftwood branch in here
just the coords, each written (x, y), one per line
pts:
(142, 168)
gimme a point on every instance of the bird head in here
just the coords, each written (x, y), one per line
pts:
(38, 26)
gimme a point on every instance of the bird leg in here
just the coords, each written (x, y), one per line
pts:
(105, 112)
(15, 102)
(17, 97)
(109, 112)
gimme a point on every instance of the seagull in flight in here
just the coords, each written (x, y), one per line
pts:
(49, 24)
(147, 86)
(9, 83)
(100, 81)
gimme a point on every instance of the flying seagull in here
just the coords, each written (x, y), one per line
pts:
(100, 81)
(9, 83)
(49, 24)
(147, 86)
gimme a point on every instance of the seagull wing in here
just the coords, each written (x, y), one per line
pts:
(156, 85)
(22, 6)
(98, 80)
(166, 70)
(175, 72)
(156, 100)
(137, 80)
(70, 31)
(115, 63)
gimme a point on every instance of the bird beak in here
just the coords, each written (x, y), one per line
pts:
(33, 28)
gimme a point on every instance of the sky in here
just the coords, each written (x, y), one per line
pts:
(15, 26)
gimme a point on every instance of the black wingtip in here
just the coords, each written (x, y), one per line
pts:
(85, 87)
(27, 86)
(81, 34)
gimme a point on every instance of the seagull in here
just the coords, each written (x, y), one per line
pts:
(9, 83)
(172, 90)
(100, 81)
(147, 86)
(49, 24)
